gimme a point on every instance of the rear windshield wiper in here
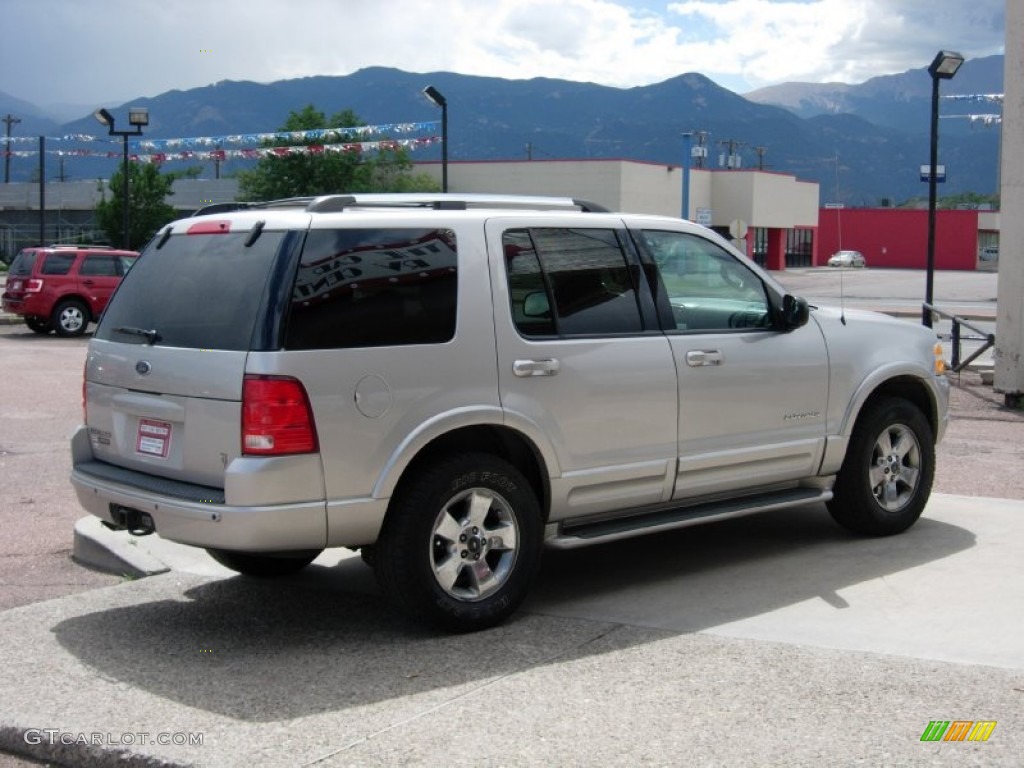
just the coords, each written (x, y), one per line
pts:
(152, 337)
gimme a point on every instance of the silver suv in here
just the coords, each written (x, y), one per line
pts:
(450, 383)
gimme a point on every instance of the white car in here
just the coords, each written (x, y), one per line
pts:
(451, 384)
(847, 259)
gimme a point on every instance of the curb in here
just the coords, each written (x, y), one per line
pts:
(114, 552)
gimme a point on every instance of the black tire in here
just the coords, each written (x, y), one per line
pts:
(369, 555)
(887, 475)
(70, 318)
(38, 326)
(457, 520)
(262, 564)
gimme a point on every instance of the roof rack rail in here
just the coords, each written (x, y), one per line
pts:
(221, 208)
(445, 202)
(81, 245)
(435, 201)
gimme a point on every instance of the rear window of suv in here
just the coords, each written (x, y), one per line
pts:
(197, 291)
(58, 263)
(374, 288)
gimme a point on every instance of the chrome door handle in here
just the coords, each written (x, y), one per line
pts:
(546, 367)
(696, 358)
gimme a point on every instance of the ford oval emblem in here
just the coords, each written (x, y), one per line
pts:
(143, 367)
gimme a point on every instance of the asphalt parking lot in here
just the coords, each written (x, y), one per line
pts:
(772, 640)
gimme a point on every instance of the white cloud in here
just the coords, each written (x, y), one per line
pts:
(118, 49)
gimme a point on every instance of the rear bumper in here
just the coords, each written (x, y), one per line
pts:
(246, 529)
(12, 305)
(196, 515)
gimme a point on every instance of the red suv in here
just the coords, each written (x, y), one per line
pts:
(63, 288)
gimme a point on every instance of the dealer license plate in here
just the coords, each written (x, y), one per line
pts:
(154, 438)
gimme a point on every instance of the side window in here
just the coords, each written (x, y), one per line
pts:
(531, 307)
(57, 263)
(124, 263)
(570, 282)
(708, 289)
(99, 266)
(374, 288)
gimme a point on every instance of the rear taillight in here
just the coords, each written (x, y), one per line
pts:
(33, 286)
(276, 417)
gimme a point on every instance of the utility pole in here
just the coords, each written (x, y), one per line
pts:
(8, 120)
(730, 159)
(700, 151)
(760, 157)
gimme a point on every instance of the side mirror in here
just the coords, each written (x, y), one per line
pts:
(795, 312)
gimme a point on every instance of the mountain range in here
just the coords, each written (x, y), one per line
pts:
(862, 143)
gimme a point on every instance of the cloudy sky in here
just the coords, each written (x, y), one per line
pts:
(109, 51)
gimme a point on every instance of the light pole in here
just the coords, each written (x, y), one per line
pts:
(944, 66)
(137, 117)
(439, 100)
(687, 149)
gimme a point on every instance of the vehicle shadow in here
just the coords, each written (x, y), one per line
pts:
(21, 333)
(324, 641)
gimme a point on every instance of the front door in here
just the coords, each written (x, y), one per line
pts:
(752, 399)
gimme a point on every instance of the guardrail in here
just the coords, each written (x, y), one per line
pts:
(956, 337)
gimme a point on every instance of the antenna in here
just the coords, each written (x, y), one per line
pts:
(839, 231)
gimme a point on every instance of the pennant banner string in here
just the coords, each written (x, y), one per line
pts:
(248, 154)
(322, 135)
(996, 98)
(985, 120)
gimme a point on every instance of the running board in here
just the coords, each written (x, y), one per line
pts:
(574, 535)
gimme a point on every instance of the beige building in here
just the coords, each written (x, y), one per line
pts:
(774, 214)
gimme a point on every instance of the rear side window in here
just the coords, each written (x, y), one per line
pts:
(57, 263)
(570, 282)
(374, 288)
(197, 291)
(99, 266)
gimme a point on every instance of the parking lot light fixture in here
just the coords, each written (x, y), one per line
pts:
(943, 67)
(437, 99)
(137, 118)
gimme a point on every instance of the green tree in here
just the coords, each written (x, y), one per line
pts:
(192, 172)
(147, 207)
(387, 170)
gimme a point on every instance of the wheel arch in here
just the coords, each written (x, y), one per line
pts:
(495, 439)
(908, 386)
(78, 299)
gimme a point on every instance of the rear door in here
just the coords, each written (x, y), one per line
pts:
(582, 367)
(165, 368)
(98, 276)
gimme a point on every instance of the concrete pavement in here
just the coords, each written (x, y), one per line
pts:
(772, 640)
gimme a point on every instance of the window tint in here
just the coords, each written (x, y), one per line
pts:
(583, 276)
(57, 263)
(100, 266)
(708, 289)
(23, 263)
(374, 288)
(531, 309)
(197, 291)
